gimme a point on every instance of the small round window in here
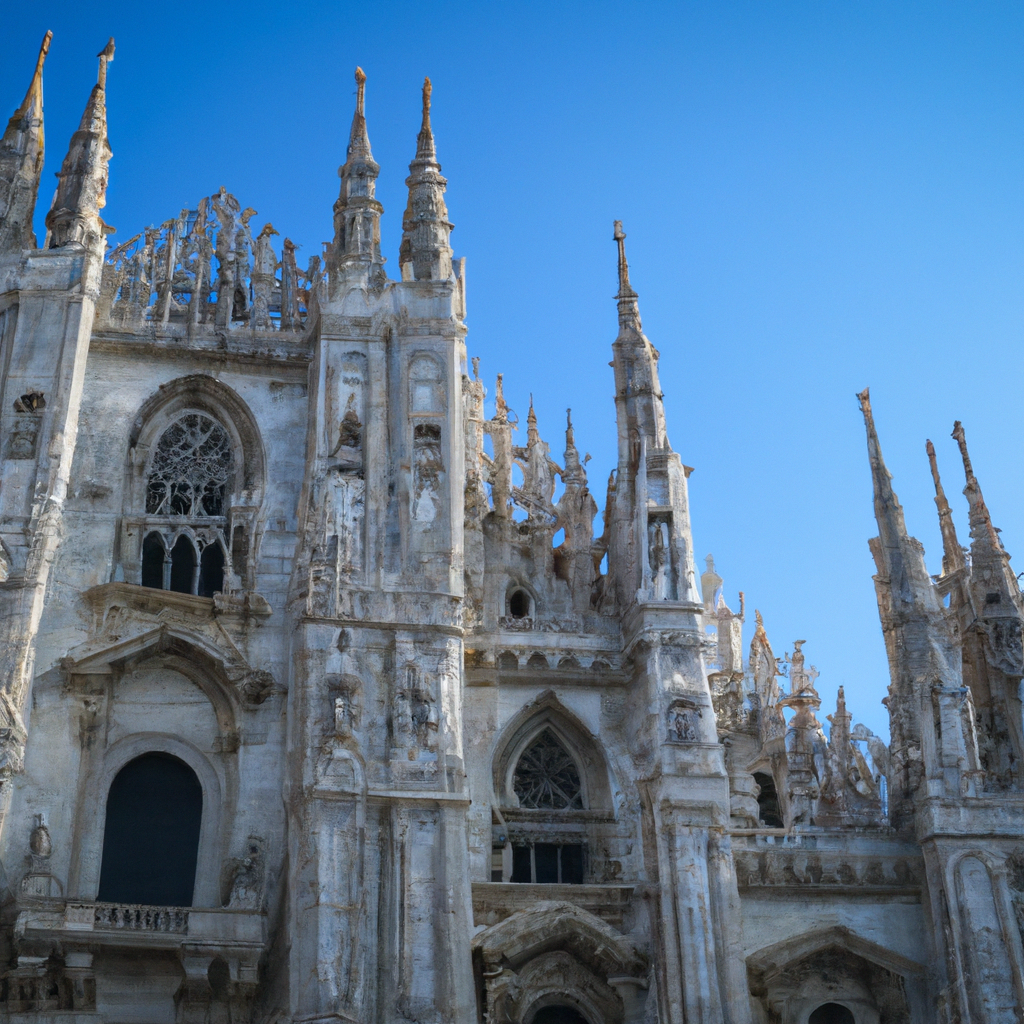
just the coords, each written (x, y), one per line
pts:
(519, 604)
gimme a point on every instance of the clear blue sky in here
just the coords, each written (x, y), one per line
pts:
(818, 196)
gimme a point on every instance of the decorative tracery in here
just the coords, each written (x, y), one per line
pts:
(191, 468)
(547, 777)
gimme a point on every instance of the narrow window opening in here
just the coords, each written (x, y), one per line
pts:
(211, 571)
(519, 604)
(768, 801)
(151, 837)
(521, 871)
(545, 857)
(183, 566)
(153, 556)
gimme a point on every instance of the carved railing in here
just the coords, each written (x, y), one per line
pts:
(130, 917)
(205, 267)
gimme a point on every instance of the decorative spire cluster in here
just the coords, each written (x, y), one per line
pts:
(952, 553)
(21, 163)
(74, 217)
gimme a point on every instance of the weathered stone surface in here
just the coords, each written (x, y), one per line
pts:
(257, 536)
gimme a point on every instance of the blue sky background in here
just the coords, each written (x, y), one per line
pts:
(818, 196)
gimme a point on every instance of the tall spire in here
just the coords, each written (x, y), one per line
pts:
(952, 553)
(357, 211)
(21, 163)
(425, 226)
(895, 544)
(989, 560)
(629, 307)
(574, 471)
(82, 179)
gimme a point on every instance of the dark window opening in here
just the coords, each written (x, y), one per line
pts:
(559, 1015)
(993, 598)
(211, 571)
(831, 1013)
(768, 801)
(151, 837)
(519, 604)
(153, 555)
(548, 863)
(183, 566)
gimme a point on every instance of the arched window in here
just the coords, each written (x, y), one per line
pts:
(191, 468)
(190, 479)
(151, 836)
(832, 1013)
(183, 566)
(211, 570)
(547, 778)
(153, 557)
(768, 801)
(519, 604)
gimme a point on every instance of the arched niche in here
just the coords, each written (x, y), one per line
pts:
(548, 714)
(797, 975)
(205, 395)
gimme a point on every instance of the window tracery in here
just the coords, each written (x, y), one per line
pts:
(186, 498)
(191, 468)
(547, 777)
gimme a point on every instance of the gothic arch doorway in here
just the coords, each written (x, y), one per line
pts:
(151, 835)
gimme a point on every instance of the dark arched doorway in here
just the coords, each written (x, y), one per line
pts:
(831, 1013)
(151, 838)
(559, 1015)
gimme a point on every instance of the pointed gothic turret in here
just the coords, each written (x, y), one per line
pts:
(991, 574)
(82, 179)
(357, 212)
(952, 553)
(425, 227)
(21, 163)
(636, 370)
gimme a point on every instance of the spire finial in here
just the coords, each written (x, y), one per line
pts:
(629, 310)
(106, 55)
(425, 149)
(952, 553)
(985, 542)
(360, 91)
(21, 163)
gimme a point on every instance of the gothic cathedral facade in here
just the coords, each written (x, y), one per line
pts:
(324, 698)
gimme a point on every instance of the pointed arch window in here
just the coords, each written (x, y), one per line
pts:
(547, 777)
(187, 488)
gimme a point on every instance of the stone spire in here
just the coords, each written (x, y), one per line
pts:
(357, 212)
(952, 553)
(636, 367)
(900, 557)
(924, 658)
(21, 163)
(628, 300)
(990, 564)
(575, 473)
(425, 226)
(74, 216)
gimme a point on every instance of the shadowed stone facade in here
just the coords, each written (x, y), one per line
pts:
(323, 699)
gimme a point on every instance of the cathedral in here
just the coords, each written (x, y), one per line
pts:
(325, 697)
